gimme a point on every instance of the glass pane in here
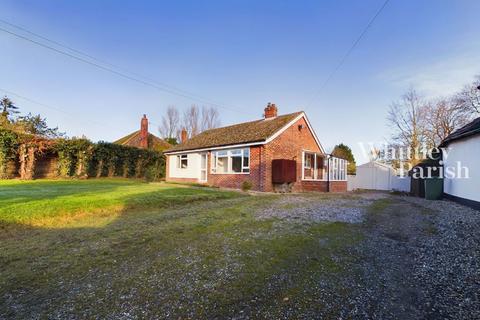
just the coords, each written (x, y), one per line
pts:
(319, 168)
(203, 161)
(203, 175)
(222, 164)
(237, 164)
(246, 162)
(236, 151)
(246, 158)
(308, 166)
(221, 153)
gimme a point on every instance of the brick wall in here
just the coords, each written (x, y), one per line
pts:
(289, 145)
(338, 186)
(320, 186)
(236, 180)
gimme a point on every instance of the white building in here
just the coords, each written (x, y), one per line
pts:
(461, 163)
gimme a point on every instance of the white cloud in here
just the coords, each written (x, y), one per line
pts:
(439, 78)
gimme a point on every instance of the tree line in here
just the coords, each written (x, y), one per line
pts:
(194, 120)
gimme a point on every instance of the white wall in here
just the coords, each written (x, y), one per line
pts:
(192, 171)
(467, 153)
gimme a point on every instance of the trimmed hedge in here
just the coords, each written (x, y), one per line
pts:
(80, 157)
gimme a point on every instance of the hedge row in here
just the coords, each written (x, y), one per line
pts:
(79, 157)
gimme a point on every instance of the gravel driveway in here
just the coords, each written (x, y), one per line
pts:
(418, 259)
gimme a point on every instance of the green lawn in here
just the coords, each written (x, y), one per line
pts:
(127, 249)
(56, 202)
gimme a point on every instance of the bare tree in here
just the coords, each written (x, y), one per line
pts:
(210, 118)
(408, 119)
(469, 97)
(443, 117)
(170, 123)
(191, 121)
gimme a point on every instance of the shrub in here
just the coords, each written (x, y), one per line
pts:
(8, 150)
(246, 185)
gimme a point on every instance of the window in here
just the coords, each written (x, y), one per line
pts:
(231, 161)
(313, 164)
(182, 161)
(338, 169)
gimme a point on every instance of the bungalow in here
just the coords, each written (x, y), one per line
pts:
(276, 153)
(460, 154)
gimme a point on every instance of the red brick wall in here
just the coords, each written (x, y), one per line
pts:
(289, 145)
(338, 186)
(320, 186)
(236, 180)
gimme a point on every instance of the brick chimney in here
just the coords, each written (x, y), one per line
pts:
(271, 111)
(144, 132)
(184, 135)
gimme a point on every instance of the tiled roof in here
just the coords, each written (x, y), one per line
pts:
(468, 130)
(154, 142)
(247, 132)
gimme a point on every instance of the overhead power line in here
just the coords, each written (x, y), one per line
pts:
(348, 52)
(102, 124)
(98, 63)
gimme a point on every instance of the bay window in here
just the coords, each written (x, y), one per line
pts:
(231, 161)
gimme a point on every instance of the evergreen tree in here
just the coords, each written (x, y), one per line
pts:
(8, 108)
(343, 151)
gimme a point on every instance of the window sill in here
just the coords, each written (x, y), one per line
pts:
(224, 173)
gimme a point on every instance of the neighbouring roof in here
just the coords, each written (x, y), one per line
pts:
(247, 132)
(154, 142)
(468, 130)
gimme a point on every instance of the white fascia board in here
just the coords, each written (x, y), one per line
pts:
(288, 125)
(233, 146)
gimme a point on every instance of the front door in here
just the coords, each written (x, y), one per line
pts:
(203, 167)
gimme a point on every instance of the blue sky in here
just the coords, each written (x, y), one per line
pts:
(241, 54)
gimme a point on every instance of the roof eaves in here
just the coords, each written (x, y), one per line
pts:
(214, 147)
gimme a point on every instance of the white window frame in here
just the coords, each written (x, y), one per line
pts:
(229, 154)
(203, 169)
(338, 169)
(181, 157)
(316, 158)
